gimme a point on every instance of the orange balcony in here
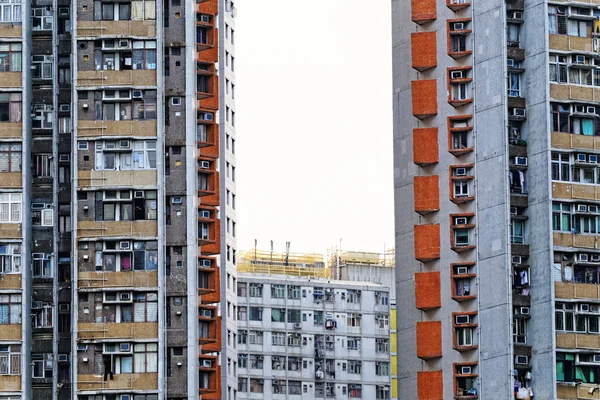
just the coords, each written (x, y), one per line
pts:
(207, 231)
(212, 341)
(206, 37)
(423, 50)
(423, 11)
(427, 194)
(429, 339)
(207, 86)
(456, 5)
(425, 146)
(428, 290)
(430, 385)
(208, 7)
(207, 136)
(210, 293)
(427, 242)
(424, 98)
(210, 381)
(207, 313)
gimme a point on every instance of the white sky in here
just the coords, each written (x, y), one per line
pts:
(314, 124)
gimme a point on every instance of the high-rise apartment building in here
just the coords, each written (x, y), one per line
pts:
(117, 199)
(496, 173)
(312, 338)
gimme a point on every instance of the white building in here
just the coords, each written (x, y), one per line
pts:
(312, 337)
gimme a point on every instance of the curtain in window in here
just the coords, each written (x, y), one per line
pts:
(137, 9)
(15, 107)
(574, 76)
(151, 260)
(3, 364)
(151, 357)
(140, 362)
(109, 212)
(16, 64)
(126, 365)
(4, 166)
(15, 313)
(126, 314)
(572, 27)
(3, 313)
(150, 9)
(276, 315)
(588, 127)
(15, 364)
(15, 209)
(152, 312)
(138, 159)
(139, 312)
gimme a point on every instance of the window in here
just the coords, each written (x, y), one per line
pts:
(255, 290)
(277, 291)
(256, 385)
(242, 337)
(10, 310)
(10, 258)
(10, 207)
(353, 296)
(43, 217)
(256, 361)
(11, 57)
(242, 289)
(353, 320)
(256, 314)
(42, 165)
(41, 116)
(10, 157)
(382, 392)
(519, 331)
(41, 365)
(41, 19)
(144, 54)
(145, 357)
(143, 257)
(126, 205)
(354, 366)
(576, 27)
(512, 35)
(514, 84)
(278, 338)
(382, 345)
(10, 11)
(560, 167)
(10, 106)
(382, 368)
(242, 313)
(294, 387)
(558, 68)
(517, 231)
(464, 337)
(41, 315)
(353, 343)
(382, 321)
(255, 337)
(118, 155)
(10, 358)
(242, 384)
(557, 20)
(293, 292)
(278, 315)
(294, 316)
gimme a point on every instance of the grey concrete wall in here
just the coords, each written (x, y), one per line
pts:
(541, 324)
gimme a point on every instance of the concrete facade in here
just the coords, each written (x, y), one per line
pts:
(312, 338)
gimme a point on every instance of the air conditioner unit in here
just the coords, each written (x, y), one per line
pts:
(460, 171)
(125, 245)
(515, 15)
(591, 110)
(596, 358)
(462, 319)
(593, 159)
(521, 161)
(137, 94)
(517, 259)
(581, 208)
(456, 75)
(205, 263)
(579, 109)
(579, 59)
(581, 157)
(513, 211)
(124, 347)
(207, 313)
(584, 307)
(124, 44)
(510, 62)
(125, 296)
(125, 397)
(64, 158)
(63, 358)
(85, 360)
(64, 307)
(82, 347)
(582, 257)
(138, 194)
(458, 26)
(207, 116)
(465, 370)
(204, 164)
(177, 200)
(297, 325)
(204, 214)
(124, 144)
(519, 112)
(64, 108)
(460, 221)
(521, 360)
(524, 311)
(205, 19)
(595, 258)
(462, 270)
(206, 363)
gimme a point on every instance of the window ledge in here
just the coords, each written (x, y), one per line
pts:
(461, 299)
(460, 249)
(465, 348)
(468, 397)
(459, 54)
(459, 103)
(461, 200)
(456, 7)
(460, 152)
